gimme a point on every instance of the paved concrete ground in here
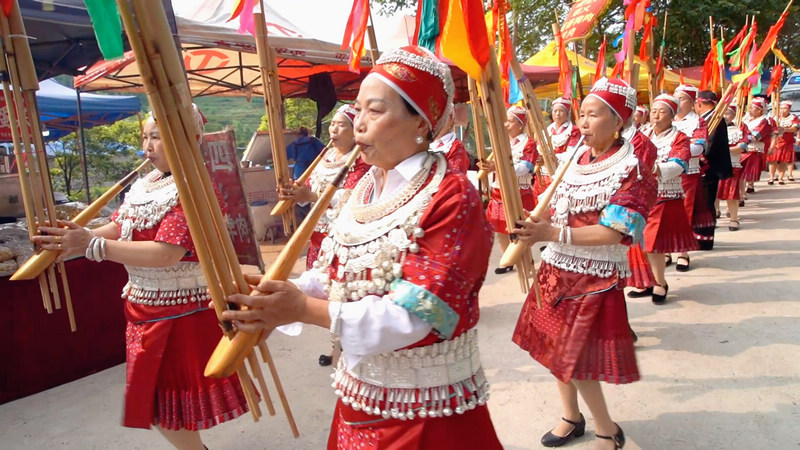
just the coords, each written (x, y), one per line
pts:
(720, 364)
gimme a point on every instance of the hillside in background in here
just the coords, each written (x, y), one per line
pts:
(236, 112)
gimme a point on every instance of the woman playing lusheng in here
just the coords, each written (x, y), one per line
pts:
(523, 156)
(171, 331)
(398, 276)
(343, 138)
(581, 331)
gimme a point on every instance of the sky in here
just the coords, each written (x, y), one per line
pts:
(326, 19)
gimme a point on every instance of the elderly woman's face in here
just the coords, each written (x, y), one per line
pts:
(513, 125)
(341, 131)
(559, 115)
(661, 116)
(729, 116)
(785, 109)
(598, 123)
(152, 146)
(384, 128)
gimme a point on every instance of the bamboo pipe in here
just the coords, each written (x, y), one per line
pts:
(37, 263)
(515, 249)
(482, 174)
(230, 352)
(283, 205)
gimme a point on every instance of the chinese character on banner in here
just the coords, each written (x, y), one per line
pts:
(219, 152)
(581, 18)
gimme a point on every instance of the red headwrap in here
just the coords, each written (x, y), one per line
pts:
(668, 100)
(617, 94)
(421, 79)
(687, 90)
(348, 111)
(759, 102)
(520, 113)
(562, 102)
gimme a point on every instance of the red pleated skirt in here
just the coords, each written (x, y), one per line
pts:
(356, 430)
(729, 188)
(313, 248)
(753, 164)
(579, 333)
(184, 397)
(540, 184)
(668, 230)
(689, 184)
(641, 273)
(495, 213)
(784, 152)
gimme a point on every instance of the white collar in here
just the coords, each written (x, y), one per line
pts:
(398, 176)
(444, 142)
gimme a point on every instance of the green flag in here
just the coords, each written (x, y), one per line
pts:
(429, 25)
(107, 27)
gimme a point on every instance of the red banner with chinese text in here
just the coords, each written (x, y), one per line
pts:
(581, 18)
(219, 153)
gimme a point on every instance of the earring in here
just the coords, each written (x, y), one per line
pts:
(616, 135)
(419, 140)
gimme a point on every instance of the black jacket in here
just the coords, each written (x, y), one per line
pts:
(718, 153)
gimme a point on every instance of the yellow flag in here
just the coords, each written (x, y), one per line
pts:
(783, 59)
(454, 42)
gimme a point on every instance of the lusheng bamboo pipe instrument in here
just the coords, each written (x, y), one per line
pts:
(283, 205)
(516, 250)
(536, 124)
(495, 112)
(168, 94)
(19, 87)
(272, 102)
(43, 259)
(232, 350)
(719, 111)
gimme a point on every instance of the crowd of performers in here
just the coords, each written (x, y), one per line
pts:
(395, 267)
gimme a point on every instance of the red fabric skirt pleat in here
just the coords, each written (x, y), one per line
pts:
(753, 163)
(641, 273)
(783, 153)
(313, 248)
(729, 188)
(185, 398)
(668, 229)
(356, 430)
(689, 184)
(495, 213)
(585, 338)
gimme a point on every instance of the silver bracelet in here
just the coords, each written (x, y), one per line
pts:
(569, 236)
(103, 247)
(561, 234)
(88, 253)
(96, 250)
(336, 321)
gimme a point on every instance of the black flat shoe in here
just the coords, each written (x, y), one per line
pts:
(750, 190)
(618, 438)
(733, 227)
(578, 428)
(680, 267)
(659, 299)
(502, 270)
(641, 294)
(741, 203)
(771, 182)
(634, 336)
(667, 260)
(325, 360)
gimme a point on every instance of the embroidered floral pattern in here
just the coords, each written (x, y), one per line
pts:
(427, 306)
(624, 220)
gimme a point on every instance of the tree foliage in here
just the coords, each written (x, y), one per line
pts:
(111, 152)
(301, 112)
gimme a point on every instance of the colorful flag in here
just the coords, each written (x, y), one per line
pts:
(463, 36)
(354, 33)
(7, 5)
(243, 9)
(775, 79)
(106, 23)
(710, 78)
(427, 24)
(564, 68)
(600, 70)
(784, 60)
(770, 39)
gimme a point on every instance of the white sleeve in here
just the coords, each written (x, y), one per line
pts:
(376, 325)
(670, 170)
(523, 168)
(696, 149)
(311, 286)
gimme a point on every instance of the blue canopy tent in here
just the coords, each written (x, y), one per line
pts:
(61, 113)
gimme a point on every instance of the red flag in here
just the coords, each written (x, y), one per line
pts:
(7, 5)
(600, 71)
(775, 80)
(564, 68)
(618, 69)
(710, 79)
(736, 39)
(770, 39)
(463, 38)
(505, 49)
(650, 22)
(681, 80)
(354, 33)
